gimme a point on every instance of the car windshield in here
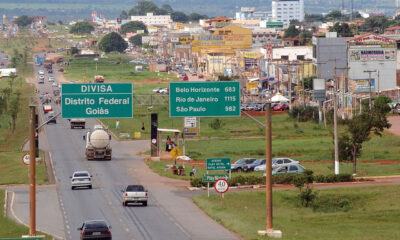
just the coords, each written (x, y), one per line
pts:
(81, 175)
(240, 161)
(96, 225)
(258, 161)
(135, 188)
(274, 160)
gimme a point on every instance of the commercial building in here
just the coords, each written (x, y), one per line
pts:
(249, 13)
(286, 10)
(325, 51)
(375, 54)
(150, 19)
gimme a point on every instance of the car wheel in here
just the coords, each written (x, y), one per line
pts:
(145, 203)
(90, 187)
(239, 170)
(72, 187)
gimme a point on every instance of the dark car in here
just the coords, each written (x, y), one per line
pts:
(239, 164)
(61, 70)
(50, 70)
(95, 229)
(53, 118)
(185, 78)
(250, 167)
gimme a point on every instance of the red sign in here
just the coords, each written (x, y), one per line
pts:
(221, 185)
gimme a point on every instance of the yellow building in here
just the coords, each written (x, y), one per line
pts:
(216, 52)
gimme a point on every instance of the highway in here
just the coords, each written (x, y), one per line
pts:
(167, 216)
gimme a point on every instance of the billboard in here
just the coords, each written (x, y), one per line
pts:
(362, 85)
(372, 55)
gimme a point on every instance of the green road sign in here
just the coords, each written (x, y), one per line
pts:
(96, 100)
(204, 99)
(218, 164)
(210, 178)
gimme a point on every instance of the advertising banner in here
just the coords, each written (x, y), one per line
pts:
(362, 85)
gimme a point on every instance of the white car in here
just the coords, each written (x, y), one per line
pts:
(54, 84)
(51, 79)
(81, 179)
(156, 90)
(164, 91)
(41, 72)
(186, 68)
(276, 162)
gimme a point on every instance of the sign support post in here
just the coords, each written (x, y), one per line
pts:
(32, 171)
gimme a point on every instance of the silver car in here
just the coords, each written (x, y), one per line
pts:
(81, 179)
(277, 162)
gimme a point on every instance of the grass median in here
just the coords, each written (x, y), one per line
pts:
(9, 228)
(343, 213)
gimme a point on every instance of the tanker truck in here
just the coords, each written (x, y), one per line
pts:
(98, 143)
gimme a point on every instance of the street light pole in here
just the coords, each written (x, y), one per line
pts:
(32, 170)
(370, 86)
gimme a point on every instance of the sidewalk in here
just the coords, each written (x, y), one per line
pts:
(49, 218)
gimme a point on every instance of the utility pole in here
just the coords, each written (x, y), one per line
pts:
(370, 86)
(320, 103)
(335, 130)
(343, 86)
(32, 170)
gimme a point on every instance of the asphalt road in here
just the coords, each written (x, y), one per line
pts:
(167, 216)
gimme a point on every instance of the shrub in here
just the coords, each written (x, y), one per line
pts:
(304, 114)
(216, 124)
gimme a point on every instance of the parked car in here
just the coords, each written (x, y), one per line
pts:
(51, 78)
(201, 75)
(186, 68)
(52, 116)
(50, 70)
(156, 90)
(281, 107)
(250, 167)
(54, 84)
(61, 70)
(164, 91)
(289, 169)
(41, 72)
(184, 78)
(239, 164)
(81, 179)
(95, 229)
(277, 162)
(134, 194)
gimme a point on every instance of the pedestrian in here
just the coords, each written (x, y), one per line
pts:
(168, 144)
(193, 172)
(117, 124)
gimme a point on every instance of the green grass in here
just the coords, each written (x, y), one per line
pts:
(115, 68)
(372, 213)
(314, 149)
(12, 170)
(9, 228)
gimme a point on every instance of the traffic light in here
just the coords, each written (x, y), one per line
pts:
(153, 134)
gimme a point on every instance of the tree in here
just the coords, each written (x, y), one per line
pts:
(142, 8)
(179, 17)
(291, 31)
(133, 27)
(112, 42)
(167, 8)
(60, 22)
(305, 37)
(343, 29)
(124, 15)
(334, 15)
(74, 50)
(23, 21)
(360, 127)
(136, 40)
(196, 17)
(13, 110)
(376, 24)
(82, 28)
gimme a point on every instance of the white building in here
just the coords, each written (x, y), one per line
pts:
(150, 19)
(286, 10)
(249, 13)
